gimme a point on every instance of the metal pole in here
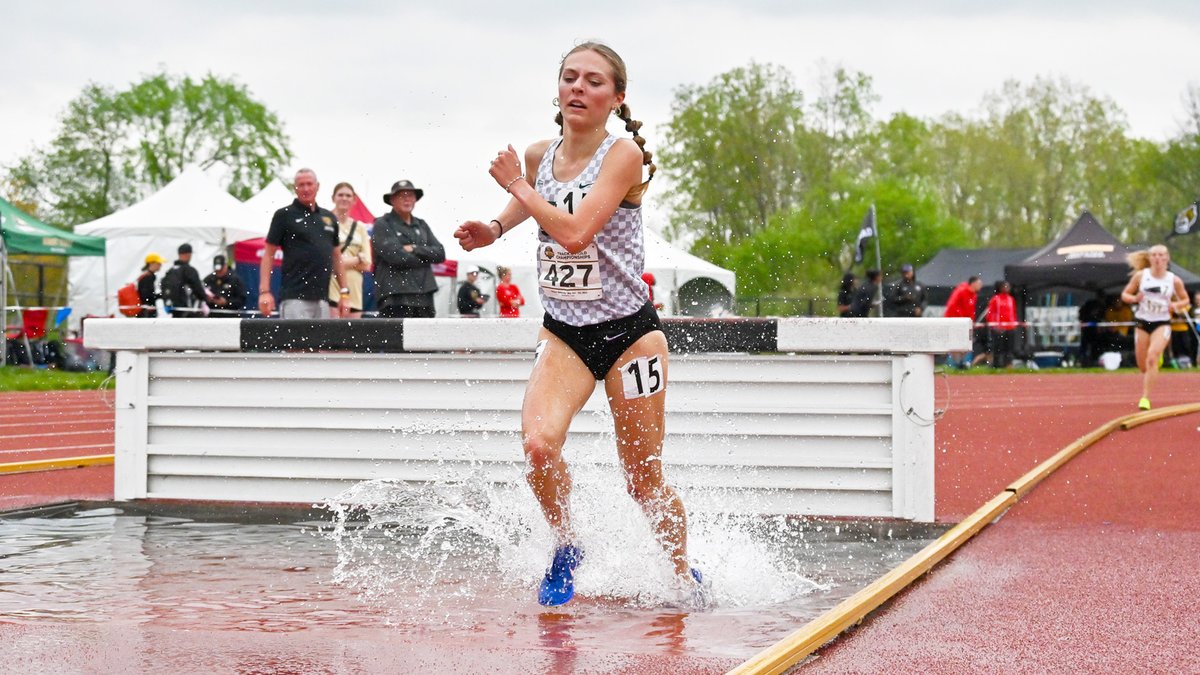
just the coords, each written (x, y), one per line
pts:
(3, 303)
(12, 283)
(878, 265)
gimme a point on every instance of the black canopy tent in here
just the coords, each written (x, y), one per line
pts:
(952, 266)
(1086, 256)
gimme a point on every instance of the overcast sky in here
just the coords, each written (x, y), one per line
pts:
(374, 91)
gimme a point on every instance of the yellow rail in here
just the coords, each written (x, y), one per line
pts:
(782, 655)
(56, 463)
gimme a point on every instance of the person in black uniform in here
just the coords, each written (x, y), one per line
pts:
(470, 300)
(182, 289)
(864, 296)
(229, 293)
(845, 297)
(308, 236)
(907, 298)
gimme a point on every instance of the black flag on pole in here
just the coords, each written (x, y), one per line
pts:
(867, 231)
(1185, 222)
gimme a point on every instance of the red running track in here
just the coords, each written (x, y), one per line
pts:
(1094, 571)
(48, 425)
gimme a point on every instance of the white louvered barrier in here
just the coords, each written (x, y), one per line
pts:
(819, 432)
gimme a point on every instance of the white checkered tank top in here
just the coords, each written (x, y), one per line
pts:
(603, 282)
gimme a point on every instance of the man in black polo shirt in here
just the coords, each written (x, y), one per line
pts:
(307, 234)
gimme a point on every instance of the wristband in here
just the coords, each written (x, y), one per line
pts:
(499, 225)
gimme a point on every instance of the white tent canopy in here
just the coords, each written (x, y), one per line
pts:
(672, 268)
(190, 209)
(261, 208)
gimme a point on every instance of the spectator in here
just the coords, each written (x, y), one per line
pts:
(962, 305)
(907, 298)
(228, 294)
(1117, 318)
(307, 234)
(182, 290)
(354, 247)
(405, 251)
(866, 297)
(508, 296)
(1002, 324)
(648, 277)
(845, 296)
(469, 297)
(147, 295)
(1195, 336)
(1090, 314)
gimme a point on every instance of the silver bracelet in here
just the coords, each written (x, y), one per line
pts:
(510, 183)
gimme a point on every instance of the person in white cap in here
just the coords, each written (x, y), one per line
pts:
(470, 300)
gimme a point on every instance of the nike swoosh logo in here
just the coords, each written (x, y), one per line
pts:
(299, 220)
(586, 185)
(610, 338)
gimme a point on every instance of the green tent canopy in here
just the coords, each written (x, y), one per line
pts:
(25, 234)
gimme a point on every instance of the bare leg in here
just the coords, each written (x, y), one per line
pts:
(1149, 348)
(640, 429)
(558, 388)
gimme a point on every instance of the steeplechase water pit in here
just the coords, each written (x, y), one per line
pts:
(426, 535)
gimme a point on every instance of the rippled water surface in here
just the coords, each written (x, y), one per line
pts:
(392, 576)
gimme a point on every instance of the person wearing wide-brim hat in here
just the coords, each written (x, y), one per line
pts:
(405, 252)
(403, 185)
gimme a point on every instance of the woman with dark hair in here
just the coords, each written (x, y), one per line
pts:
(1002, 325)
(599, 323)
(845, 296)
(1158, 294)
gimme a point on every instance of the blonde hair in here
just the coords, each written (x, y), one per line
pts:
(620, 80)
(1140, 260)
(501, 270)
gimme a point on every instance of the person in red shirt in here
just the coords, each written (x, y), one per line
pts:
(962, 305)
(508, 296)
(1002, 322)
(649, 279)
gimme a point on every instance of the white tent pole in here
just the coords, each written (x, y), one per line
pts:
(3, 304)
(12, 283)
(878, 263)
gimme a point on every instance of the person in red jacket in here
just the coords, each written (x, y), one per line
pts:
(962, 305)
(1002, 322)
(508, 296)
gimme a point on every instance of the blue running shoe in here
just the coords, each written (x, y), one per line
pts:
(701, 595)
(558, 586)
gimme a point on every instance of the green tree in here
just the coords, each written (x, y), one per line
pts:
(801, 253)
(732, 153)
(1043, 153)
(114, 147)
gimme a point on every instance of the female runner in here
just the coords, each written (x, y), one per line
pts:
(1151, 287)
(584, 190)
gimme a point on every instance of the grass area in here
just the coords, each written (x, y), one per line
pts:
(20, 378)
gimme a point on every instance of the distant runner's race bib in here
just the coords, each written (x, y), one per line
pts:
(569, 276)
(1155, 306)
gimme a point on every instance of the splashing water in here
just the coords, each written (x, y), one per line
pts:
(455, 549)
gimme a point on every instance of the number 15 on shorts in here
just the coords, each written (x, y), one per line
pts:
(642, 377)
